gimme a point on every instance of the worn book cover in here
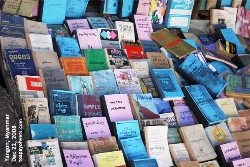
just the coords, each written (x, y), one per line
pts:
(74, 66)
(237, 124)
(89, 106)
(95, 59)
(148, 86)
(158, 60)
(36, 27)
(81, 84)
(117, 59)
(179, 152)
(227, 105)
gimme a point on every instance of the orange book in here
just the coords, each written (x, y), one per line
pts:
(74, 66)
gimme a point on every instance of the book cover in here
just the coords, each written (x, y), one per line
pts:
(117, 59)
(221, 67)
(231, 17)
(166, 84)
(89, 106)
(40, 42)
(184, 116)
(149, 162)
(13, 43)
(81, 84)
(36, 27)
(179, 152)
(96, 127)
(68, 128)
(143, 27)
(157, 11)
(109, 38)
(88, 39)
(174, 136)
(170, 117)
(148, 86)
(172, 43)
(142, 7)
(125, 31)
(227, 105)
(202, 105)
(98, 22)
(242, 140)
(67, 47)
(127, 81)
(125, 8)
(207, 39)
(189, 35)
(95, 59)
(110, 6)
(43, 131)
(237, 124)
(101, 79)
(127, 129)
(76, 158)
(162, 106)
(196, 72)
(62, 102)
(141, 66)
(158, 60)
(76, 9)
(149, 46)
(74, 24)
(155, 122)
(212, 163)
(74, 66)
(134, 50)
(58, 30)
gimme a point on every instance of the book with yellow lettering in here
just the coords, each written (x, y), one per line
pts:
(74, 66)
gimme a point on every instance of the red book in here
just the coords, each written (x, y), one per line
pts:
(134, 50)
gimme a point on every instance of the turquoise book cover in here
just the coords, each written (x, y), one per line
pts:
(127, 129)
(174, 136)
(81, 84)
(68, 47)
(43, 131)
(68, 128)
(227, 3)
(76, 9)
(221, 67)
(149, 162)
(105, 82)
(110, 7)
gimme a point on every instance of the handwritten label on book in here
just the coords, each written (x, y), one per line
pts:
(143, 27)
(230, 151)
(76, 158)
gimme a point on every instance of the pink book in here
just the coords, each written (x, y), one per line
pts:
(96, 127)
(230, 151)
(117, 107)
(88, 39)
(143, 27)
(143, 7)
(76, 158)
(36, 9)
(240, 163)
(77, 24)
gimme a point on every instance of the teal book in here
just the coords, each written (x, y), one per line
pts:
(196, 72)
(204, 108)
(68, 128)
(67, 47)
(221, 67)
(104, 82)
(81, 84)
(148, 162)
(43, 131)
(166, 84)
(76, 9)
(127, 129)
(203, 5)
(174, 136)
(96, 59)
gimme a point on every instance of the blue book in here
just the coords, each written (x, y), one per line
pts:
(127, 129)
(227, 3)
(68, 47)
(59, 11)
(148, 162)
(220, 67)
(69, 128)
(81, 84)
(125, 7)
(20, 62)
(166, 84)
(191, 42)
(203, 5)
(133, 148)
(105, 82)
(203, 106)
(196, 72)
(178, 14)
(162, 106)
(110, 7)
(247, 5)
(98, 22)
(43, 131)
(149, 46)
(76, 9)
(62, 102)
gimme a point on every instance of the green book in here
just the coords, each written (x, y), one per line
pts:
(95, 59)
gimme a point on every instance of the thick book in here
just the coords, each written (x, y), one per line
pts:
(143, 27)
(117, 59)
(179, 152)
(73, 24)
(98, 22)
(74, 66)
(44, 153)
(202, 105)
(76, 9)
(125, 31)
(196, 72)
(95, 59)
(39, 42)
(68, 128)
(109, 38)
(172, 43)
(166, 84)
(147, 86)
(89, 106)
(81, 84)
(88, 38)
(43, 131)
(67, 47)
(62, 102)
(127, 81)
(75, 158)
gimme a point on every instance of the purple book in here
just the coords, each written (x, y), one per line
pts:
(77, 24)
(76, 158)
(143, 27)
(184, 116)
(211, 46)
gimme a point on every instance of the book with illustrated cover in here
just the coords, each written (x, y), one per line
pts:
(89, 106)
(117, 59)
(109, 38)
(148, 86)
(125, 31)
(81, 84)
(157, 11)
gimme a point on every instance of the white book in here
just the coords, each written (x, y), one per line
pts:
(125, 31)
(141, 67)
(179, 152)
(35, 27)
(40, 42)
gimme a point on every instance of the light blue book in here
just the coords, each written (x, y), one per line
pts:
(178, 14)
(166, 84)
(162, 106)
(43, 131)
(148, 162)
(127, 129)
(110, 7)
(227, 3)
(220, 67)
(133, 148)
(76, 9)
(247, 5)
(59, 11)
(191, 42)
(105, 83)
(127, 7)
(68, 47)
(81, 84)
(68, 128)
(98, 22)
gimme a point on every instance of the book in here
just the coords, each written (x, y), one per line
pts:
(142, 7)
(102, 78)
(231, 19)
(46, 60)
(125, 31)
(40, 42)
(125, 8)
(42, 131)
(74, 145)
(117, 59)
(226, 48)
(189, 35)
(192, 68)
(29, 86)
(207, 39)
(127, 129)
(170, 117)
(81, 84)
(109, 38)
(218, 134)
(74, 66)
(179, 152)
(53, 79)
(215, 27)
(237, 86)
(127, 81)
(197, 143)
(172, 43)
(141, 66)
(83, 157)
(237, 124)
(134, 50)
(147, 86)
(88, 39)
(157, 145)
(13, 43)
(36, 27)
(178, 32)
(89, 106)
(102, 145)
(241, 22)
(96, 127)
(148, 162)
(19, 62)
(166, 84)
(189, 164)
(196, 9)
(76, 9)
(74, 24)
(68, 128)
(143, 27)
(67, 47)
(211, 4)
(43, 153)
(227, 106)
(58, 30)
(212, 163)
(242, 141)
(98, 22)
(116, 107)
(174, 136)
(240, 162)
(158, 60)
(109, 6)
(149, 46)
(155, 122)
(202, 105)
(157, 11)
(221, 67)
(183, 116)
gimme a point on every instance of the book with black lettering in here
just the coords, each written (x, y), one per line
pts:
(117, 59)
(95, 59)
(109, 38)
(178, 32)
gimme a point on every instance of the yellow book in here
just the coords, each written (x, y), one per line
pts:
(109, 159)
(227, 105)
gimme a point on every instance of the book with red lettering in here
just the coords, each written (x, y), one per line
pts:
(134, 50)
(172, 43)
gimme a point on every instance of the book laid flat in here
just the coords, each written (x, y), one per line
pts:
(237, 124)
(78, 157)
(197, 143)
(166, 84)
(196, 72)
(95, 59)
(172, 43)
(117, 59)
(44, 153)
(127, 81)
(42, 131)
(202, 105)
(243, 141)
(227, 105)
(179, 152)
(74, 66)
(81, 84)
